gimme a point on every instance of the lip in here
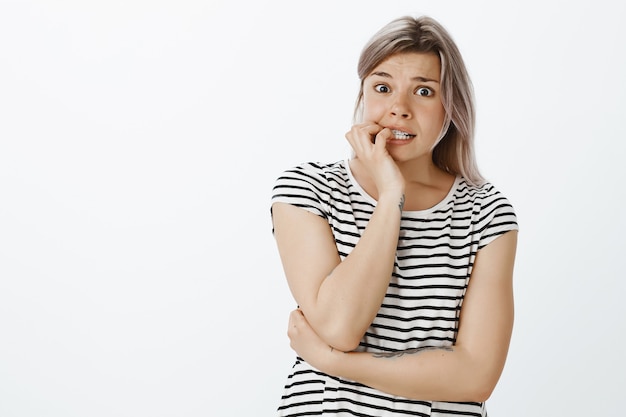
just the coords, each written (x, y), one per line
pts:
(399, 142)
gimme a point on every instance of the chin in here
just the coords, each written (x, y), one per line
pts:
(403, 158)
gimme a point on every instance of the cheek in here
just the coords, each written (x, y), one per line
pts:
(434, 113)
(441, 115)
(372, 110)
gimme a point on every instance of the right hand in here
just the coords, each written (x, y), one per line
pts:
(305, 342)
(369, 142)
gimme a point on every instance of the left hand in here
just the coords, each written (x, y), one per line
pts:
(307, 344)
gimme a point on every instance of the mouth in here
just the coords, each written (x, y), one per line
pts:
(401, 135)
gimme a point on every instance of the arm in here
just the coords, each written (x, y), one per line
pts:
(341, 298)
(467, 371)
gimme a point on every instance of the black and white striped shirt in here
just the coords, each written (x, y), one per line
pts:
(434, 259)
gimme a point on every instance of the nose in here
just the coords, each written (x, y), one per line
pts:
(400, 108)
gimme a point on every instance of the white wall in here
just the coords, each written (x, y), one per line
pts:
(139, 141)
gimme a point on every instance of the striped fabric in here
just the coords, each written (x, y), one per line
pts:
(436, 251)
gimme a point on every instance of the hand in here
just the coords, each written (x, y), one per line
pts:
(305, 342)
(369, 142)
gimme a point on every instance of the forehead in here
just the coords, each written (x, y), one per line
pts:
(410, 64)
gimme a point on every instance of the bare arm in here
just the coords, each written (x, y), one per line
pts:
(467, 371)
(341, 298)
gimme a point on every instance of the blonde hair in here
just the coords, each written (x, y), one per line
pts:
(454, 152)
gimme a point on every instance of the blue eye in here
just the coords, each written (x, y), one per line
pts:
(424, 92)
(382, 88)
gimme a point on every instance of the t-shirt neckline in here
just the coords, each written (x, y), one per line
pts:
(373, 201)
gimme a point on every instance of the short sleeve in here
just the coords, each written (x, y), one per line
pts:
(303, 186)
(497, 216)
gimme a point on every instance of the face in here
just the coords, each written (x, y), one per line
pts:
(403, 94)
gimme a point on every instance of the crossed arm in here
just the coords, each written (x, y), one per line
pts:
(338, 300)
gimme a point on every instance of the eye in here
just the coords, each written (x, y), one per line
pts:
(424, 92)
(382, 88)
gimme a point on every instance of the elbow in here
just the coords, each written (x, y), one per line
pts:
(344, 342)
(345, 345)
(481, 394)
(343, 338)
(480, 377)
(480, 389)
(341, 333)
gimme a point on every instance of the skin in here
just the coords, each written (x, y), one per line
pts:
(402, 93)
(339, 299)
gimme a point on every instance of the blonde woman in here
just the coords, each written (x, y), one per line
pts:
(401, 257)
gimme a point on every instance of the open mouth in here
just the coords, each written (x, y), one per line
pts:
(400, 135)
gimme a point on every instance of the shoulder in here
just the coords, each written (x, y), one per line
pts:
(315, 169)
(492, 212)
(485, 195)
(316, 174)
(310, 185)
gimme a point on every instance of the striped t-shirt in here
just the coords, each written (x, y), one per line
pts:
(434, 259)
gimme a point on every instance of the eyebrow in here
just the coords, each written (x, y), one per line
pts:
(418, 78)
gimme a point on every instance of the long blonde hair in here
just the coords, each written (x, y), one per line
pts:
(454, 152)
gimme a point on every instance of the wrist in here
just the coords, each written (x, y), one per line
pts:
(394, 198)
(332, 359)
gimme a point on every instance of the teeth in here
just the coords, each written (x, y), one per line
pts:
(398, 134)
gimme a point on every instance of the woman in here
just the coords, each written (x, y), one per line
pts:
(400, 258)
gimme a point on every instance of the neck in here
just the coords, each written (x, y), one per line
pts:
(426, 185)
(422, 172)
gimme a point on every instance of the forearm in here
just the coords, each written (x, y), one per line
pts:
(435, 374)
(467, 371)
(351, 295)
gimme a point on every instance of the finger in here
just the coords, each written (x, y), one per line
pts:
(363, 130)
(292, 319)
(292, 327)
(296, 317)
(354, 129)
(381, 138)
(369, 132)
(361, 136)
